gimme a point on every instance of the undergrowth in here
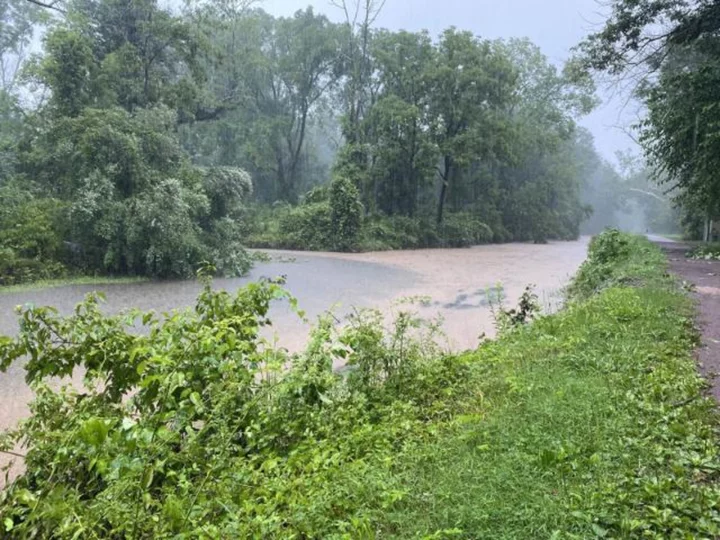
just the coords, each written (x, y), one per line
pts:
(588, 423)
(708, 252)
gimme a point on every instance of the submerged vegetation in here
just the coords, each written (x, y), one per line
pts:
(589, 422)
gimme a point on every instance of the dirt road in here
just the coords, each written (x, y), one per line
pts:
(705, 276)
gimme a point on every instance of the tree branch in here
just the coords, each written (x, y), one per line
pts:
(51, 5)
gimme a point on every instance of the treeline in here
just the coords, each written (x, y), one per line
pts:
(145, 141)
(670, 50)
(454, 141)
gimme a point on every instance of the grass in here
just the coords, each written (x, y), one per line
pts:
(593, 423)
(63, 282)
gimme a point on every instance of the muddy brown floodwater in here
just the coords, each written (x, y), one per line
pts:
(455, 280)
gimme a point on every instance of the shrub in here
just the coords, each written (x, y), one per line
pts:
(30, 237)
(225, 249)
(345, 214)
(613, 259)
(179, 428)
(306, 227)
(395, 232)
(609, 247)
(708, 252)
(463, 229)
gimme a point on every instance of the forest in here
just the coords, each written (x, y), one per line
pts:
(138, 140)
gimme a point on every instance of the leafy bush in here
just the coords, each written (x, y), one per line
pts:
(226, 188)
(225, 249)
(137, 205)
(400, 232)
(306, 227)
(611, 246)
(346, 214)
(310, 226)
(464, 229)
(612, 260)
(31, 244)
(211, 421)
(16, 269)
(709, 252)
(396, 232)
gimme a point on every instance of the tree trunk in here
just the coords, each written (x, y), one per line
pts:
(443, 190)
(707, 229)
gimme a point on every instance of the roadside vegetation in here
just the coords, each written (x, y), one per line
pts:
(669, 49)
(591, 422)
(708, 252)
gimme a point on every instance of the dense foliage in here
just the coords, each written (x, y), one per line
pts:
(353, 137)
(464, 140)
(671, 48)
(94, 178)
(590, 422)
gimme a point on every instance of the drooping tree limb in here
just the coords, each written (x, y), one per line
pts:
(49, 5)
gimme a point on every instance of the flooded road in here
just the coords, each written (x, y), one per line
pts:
(455, 280)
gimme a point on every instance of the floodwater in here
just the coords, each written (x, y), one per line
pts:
(456, 283)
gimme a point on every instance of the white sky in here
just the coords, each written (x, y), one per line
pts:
(555, 25)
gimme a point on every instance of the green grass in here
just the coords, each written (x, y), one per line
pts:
(62, 282)
(593, 423)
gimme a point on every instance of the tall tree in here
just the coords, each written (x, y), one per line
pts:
(397, 125)
(672, 48)
(360, 16)
(278, 71)
(472, 82)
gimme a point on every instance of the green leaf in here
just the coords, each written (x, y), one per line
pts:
(147, 478)
(196, 400)
(94, 431)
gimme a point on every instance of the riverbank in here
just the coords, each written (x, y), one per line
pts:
(69, 282)
(588, 423)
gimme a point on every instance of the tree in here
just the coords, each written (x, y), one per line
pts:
(541, 176)
(280, 71)
(18, 19)
(397, 126)
(471, 83)
(360, 16)
(672, 49)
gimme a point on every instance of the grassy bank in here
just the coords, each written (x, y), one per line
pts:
(587, 423)
(593, 421)
(62, 282)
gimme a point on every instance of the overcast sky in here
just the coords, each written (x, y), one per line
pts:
(555, 25)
